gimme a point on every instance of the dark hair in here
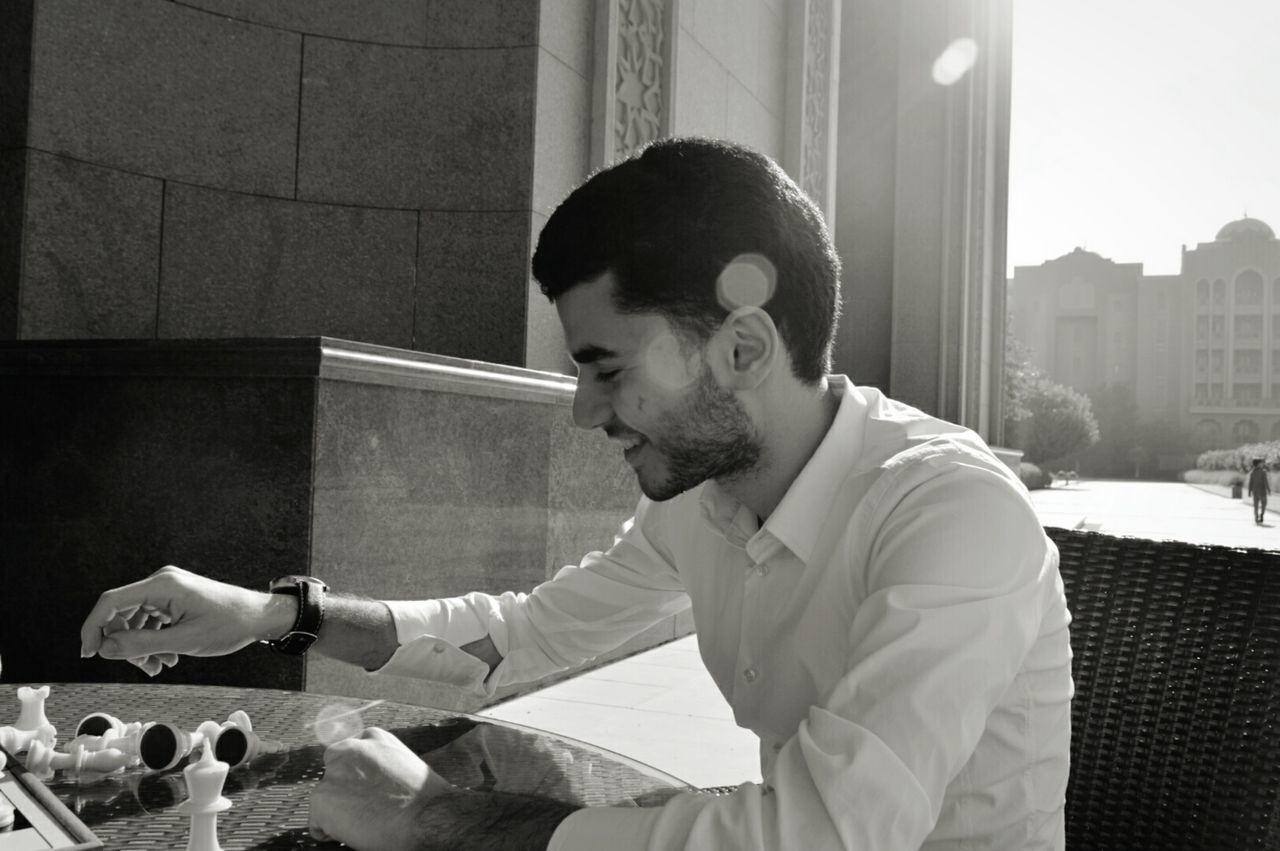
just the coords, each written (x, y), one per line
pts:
(668, 221)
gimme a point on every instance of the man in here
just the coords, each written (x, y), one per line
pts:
(1259, 488)
(872, 590)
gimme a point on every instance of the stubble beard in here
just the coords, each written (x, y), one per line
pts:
(711, 436)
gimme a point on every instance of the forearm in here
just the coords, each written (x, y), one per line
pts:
(357, 630)
(354, 630)
(489, 821)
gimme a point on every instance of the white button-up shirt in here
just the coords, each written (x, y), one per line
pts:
(895, 634)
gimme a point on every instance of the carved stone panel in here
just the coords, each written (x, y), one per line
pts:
(633, 91)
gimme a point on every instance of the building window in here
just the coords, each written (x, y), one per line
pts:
(1208, 434)
(1244, 431)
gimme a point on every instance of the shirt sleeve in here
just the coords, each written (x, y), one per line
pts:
(952, 584)
(584, 611)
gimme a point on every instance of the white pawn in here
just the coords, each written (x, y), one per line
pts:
(204, 800)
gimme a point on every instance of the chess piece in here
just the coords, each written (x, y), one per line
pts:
(236, 744)
(127, 738)
(101, 724)
(162, 746)
(16, 741)
(43, 760)
(204, 800)
(32, 716)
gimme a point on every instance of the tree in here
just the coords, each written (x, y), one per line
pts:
(1061, 422)
(1020, 377)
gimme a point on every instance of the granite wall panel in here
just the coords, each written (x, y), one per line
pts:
(544, 347)
(472, 269)
(13, 171)
(562, 146)
(387, 21)
(701, 89)
(422, 494)
(245, 265)
(747, 121)
(482, 23)
(109, 478)
(417, 129)
(15, 72)
(771, 69)
(165, 90)
(566, 30)
(91, 251)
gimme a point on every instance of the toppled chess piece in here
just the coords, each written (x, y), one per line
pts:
(236, 744)
(128, 740)
(162, 746)
(205, 779)
(43, 760)
(101, 724)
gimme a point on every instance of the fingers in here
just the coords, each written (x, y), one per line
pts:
(116, 607)
(133, 643)
(314, 809)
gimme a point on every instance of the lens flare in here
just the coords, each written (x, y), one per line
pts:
(336, 722)
(954, 62)
(748, 280)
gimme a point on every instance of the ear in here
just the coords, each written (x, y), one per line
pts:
(748, 349)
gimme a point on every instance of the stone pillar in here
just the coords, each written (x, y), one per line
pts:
(922, 195)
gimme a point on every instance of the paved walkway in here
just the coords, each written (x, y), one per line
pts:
(661, 707)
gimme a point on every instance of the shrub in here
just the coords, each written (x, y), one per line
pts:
(1241, 458)
(1033, 477)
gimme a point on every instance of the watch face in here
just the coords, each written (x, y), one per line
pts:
(286, 583)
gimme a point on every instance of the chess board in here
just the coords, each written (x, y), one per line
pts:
(41, 822)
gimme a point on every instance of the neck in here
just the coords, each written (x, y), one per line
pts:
(796, 422)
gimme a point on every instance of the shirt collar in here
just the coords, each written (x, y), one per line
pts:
(796, 521)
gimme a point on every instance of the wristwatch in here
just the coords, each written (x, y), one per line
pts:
(306, 627)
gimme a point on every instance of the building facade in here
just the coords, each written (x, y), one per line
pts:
(1200, 348)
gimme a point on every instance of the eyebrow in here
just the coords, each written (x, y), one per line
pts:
(591, 354)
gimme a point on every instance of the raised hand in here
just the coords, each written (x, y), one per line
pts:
(176, 612)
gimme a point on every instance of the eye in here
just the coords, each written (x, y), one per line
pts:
(606, 374)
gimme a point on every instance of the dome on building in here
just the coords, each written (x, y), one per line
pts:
(1246, 227)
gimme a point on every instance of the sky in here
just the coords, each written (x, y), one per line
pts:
(1138, 126)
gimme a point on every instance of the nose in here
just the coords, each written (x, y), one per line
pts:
(590, 405)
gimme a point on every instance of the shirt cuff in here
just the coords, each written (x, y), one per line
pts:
(615, 828)
(432, 658)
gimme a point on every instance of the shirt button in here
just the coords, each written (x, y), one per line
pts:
(764, 570)
(750, 675)
(440, 647)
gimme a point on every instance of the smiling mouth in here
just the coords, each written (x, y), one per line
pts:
(632, 446)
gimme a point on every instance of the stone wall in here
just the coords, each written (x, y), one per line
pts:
(224, 168)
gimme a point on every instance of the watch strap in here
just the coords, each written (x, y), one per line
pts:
(310, 617)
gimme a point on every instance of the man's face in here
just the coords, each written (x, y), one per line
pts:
(653, 393)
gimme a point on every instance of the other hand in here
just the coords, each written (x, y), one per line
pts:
(374, 793)
(172, 612)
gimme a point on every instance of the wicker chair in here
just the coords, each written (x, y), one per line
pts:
(1176, 719)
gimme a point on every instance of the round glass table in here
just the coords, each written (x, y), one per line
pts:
(270, 795)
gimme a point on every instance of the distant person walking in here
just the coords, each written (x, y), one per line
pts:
(1259, 487)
